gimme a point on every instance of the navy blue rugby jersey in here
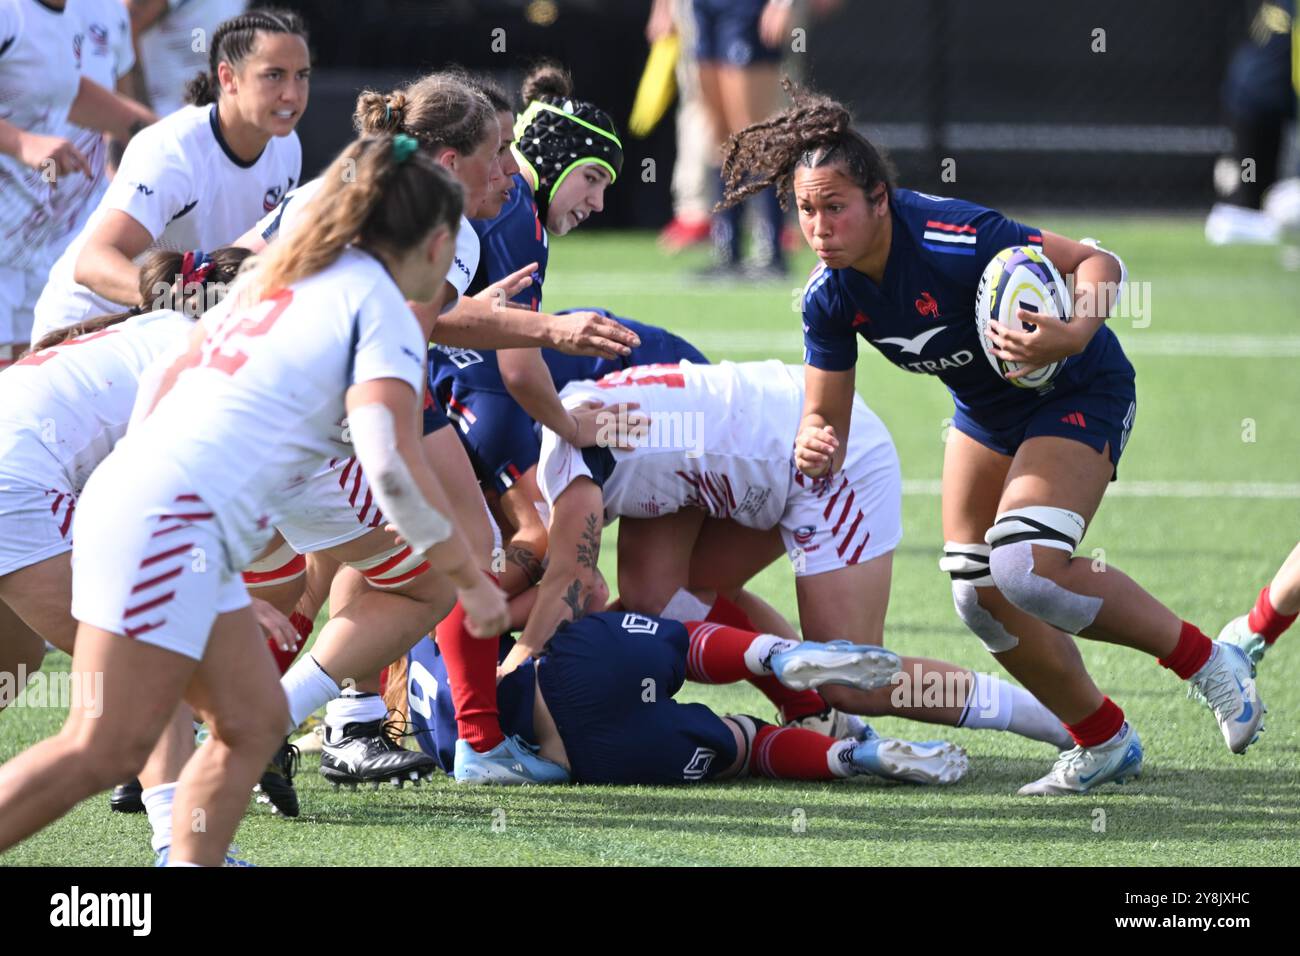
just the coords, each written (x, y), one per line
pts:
(922, 315)
(507, 243)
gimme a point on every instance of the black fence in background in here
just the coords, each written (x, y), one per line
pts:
(1009, 104)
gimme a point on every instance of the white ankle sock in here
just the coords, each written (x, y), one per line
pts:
(759, 653)
(837, 758)
(308, 687)
(158, 807)
(353, 707)
(995, 704)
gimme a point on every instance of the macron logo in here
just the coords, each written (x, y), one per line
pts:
(914, 346)
(103, 909)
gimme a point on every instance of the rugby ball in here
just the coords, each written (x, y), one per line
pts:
(1020, 277)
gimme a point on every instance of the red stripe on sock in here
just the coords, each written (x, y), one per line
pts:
(1191, 653)
(791, 753)
(1098, 727)
(472, 674)
(1266, 621)
(717, 653)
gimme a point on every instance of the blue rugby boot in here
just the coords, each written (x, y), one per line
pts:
(810, 664)
(512, 762)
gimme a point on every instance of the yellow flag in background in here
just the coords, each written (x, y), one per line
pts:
(657, 88)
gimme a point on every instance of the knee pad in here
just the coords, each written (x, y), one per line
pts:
(1011, 562)
(968, 565)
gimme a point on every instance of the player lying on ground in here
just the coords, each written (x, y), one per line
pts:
(570, 153)
(599, 702)
(1025, 470)
(705, 455)
(318, 312)
(334, 518)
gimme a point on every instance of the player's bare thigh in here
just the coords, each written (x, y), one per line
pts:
(447, 458)
(41, 595)
(847, 604)
(727, 555)
(654, 556)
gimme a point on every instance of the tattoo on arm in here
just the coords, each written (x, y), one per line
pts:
(526, 561)
(573, 598)
(589, 543)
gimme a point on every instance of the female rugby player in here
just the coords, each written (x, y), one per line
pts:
(1024, 470)
(319, 331)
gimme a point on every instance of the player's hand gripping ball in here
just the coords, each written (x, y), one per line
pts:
(1020, 277)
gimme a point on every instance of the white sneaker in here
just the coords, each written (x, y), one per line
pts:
(1080, 769)
(1227, 682)
(932, 762)
(1228, 224)
(810, 664)
(1238, 633)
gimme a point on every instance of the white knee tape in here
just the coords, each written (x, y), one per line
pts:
(983, 625)
(1037, 524)
(967, 562)
(1013, 572)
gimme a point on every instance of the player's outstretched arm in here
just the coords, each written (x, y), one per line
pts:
(819, 447)
(106, 264)
(570, 578)
(492, 323)
(383, 422)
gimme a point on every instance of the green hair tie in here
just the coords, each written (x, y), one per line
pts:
(404, 147)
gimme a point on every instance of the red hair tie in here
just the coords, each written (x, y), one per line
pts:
(196, 266)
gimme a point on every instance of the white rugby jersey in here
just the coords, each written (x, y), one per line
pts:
(722, 439)
(75, 398)
(167, 49)
(106, 55)
(261, 408)
(289, 213)
(180, 181)
(40, 72)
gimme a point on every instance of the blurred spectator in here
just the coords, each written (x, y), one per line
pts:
(168, 53)
(692, 185)
(1259, 96)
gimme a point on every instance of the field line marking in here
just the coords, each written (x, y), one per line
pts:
(1161, 489)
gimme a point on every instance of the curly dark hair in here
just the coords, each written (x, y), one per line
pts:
(813, 131)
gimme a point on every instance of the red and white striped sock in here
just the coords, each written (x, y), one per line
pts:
(793, 753)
